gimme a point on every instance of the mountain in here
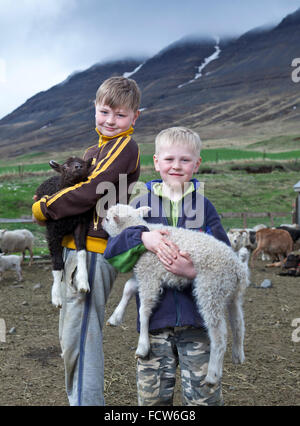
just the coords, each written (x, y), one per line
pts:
(229, 89)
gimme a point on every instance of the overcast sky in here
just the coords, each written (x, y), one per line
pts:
(44, 41)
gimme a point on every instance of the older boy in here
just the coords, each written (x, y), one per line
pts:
(177, 331)
(82, 315)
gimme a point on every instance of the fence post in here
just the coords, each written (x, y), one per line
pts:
(244, 216)
(21, 170)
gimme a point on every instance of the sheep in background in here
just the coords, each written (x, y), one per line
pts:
(71, 172)
(244, 255)
(274, 242)
(18, 240)
(11, 262)
(243, 237)
(220, 282)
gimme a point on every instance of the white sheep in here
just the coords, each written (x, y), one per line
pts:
(17, 241)
(11, 262)
(220, 282)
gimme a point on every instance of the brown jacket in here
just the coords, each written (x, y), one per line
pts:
(112, 157)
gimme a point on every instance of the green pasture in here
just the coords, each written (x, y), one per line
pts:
(226, 155)
(29, 163)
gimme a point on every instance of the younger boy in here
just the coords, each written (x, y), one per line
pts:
(82, 315)
(177, 331)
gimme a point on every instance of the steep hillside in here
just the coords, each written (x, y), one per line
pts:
(247, 88)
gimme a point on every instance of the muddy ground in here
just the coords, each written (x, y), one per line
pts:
(31, 369)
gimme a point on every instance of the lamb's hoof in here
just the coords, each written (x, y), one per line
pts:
(211, 379)
(111, 323)
(238, 358)
(57, 303)
(56, 300)
(114, 320)
(142, 352)
(85, 288)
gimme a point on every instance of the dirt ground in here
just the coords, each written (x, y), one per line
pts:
(31, 369)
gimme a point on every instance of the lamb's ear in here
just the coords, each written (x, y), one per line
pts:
(55, 166)
(143, 211)
(117, 219)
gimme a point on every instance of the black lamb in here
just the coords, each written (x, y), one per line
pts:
(71, 172)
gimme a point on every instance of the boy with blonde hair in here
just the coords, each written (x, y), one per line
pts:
(177, 330)
(82, 315)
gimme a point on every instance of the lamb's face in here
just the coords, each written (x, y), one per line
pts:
(73, 170)
(120, 217)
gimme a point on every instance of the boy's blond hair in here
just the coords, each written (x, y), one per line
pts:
(178, 136)
(119, 92)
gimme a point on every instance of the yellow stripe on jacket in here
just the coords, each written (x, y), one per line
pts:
(110, 158)
(97, 245)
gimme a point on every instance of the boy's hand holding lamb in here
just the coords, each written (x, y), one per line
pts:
(175, 261)
(182, 265)
(157, 242)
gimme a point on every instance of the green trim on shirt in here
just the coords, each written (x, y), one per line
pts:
(125, 262)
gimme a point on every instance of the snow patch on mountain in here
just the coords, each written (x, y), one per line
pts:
(130, 73)
(207, 60)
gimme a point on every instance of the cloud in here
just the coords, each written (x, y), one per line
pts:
(45, 41)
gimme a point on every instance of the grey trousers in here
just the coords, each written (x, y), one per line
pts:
(80, 331)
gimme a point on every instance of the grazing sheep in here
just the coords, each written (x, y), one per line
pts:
(220, 282)
(244, 255)
(72, 171)
(11, 262)
(17, 240)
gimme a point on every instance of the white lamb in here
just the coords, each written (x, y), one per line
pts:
(220, 282)
(15, 241)
(11, 262)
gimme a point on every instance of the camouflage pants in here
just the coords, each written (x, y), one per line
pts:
(187, 347)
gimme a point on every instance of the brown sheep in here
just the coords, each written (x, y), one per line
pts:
(275, 242)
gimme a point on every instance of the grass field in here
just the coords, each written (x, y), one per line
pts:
(39, 161)
(229, 191)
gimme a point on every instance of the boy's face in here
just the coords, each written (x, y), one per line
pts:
(176, 164)
(111, 122)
